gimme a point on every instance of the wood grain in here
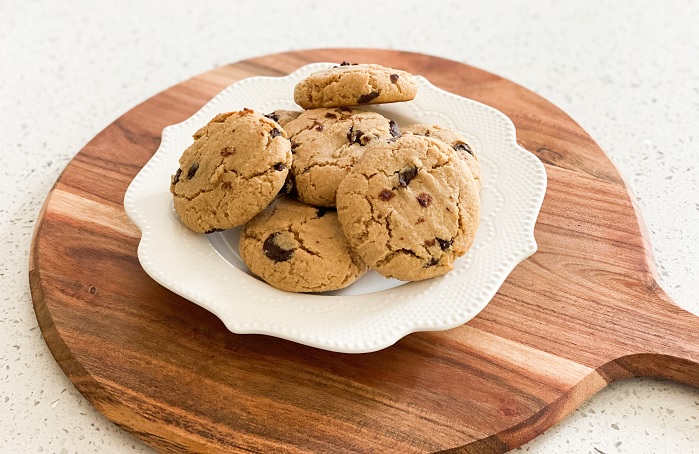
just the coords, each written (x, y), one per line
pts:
(583, 311)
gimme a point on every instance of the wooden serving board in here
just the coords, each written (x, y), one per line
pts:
(583, 311)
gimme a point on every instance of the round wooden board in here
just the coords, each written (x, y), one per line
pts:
(583, 311)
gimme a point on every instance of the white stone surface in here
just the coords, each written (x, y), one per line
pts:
(627, 71)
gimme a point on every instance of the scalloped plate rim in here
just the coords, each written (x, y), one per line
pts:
(131, 198)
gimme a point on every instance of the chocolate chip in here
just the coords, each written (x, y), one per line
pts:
(272, 116)
(213, 231)
(279, 166)
(289, 187)
(192, 170)
(429, 243)
(460, 146)
(346, 63)
(424, 199)
(406, 174)
(395, 130)
(345, 109)
(275, 132)
(366, 99)
(274, 252)
(433, 261)
(354, 135)
(176, 178)
(386, 195)
(420, 220)
(330, 115)
(318, 126)
(394, 78)
(225, 151)
(444, 244)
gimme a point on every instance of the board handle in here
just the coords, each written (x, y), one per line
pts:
(665, 346)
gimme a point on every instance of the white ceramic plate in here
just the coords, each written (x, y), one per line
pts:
(374, 312)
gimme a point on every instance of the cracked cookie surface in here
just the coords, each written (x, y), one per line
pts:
(326, 143)
(354, 85)
(409, 208)
(234, 169)
(454, 140)
(299, 248)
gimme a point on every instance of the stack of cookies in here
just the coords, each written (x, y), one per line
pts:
(325, 194)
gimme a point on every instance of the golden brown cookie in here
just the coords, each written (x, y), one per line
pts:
(326, 143)
(454, 140)
(354, 85)
(409, 208)
(299, 248)
(233, 170)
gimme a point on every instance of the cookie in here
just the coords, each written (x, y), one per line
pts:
(282, 117)
(326, 143)
(234, 169)
(299, 248)
(409, 208)
(354, 85)
(454, 140)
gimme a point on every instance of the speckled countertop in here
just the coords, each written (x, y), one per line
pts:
(626, 71)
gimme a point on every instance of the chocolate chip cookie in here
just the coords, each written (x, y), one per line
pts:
(234, 169)
(409, 208)
(354, 85)
(299, 248)
(326, 143)
(451, 138)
